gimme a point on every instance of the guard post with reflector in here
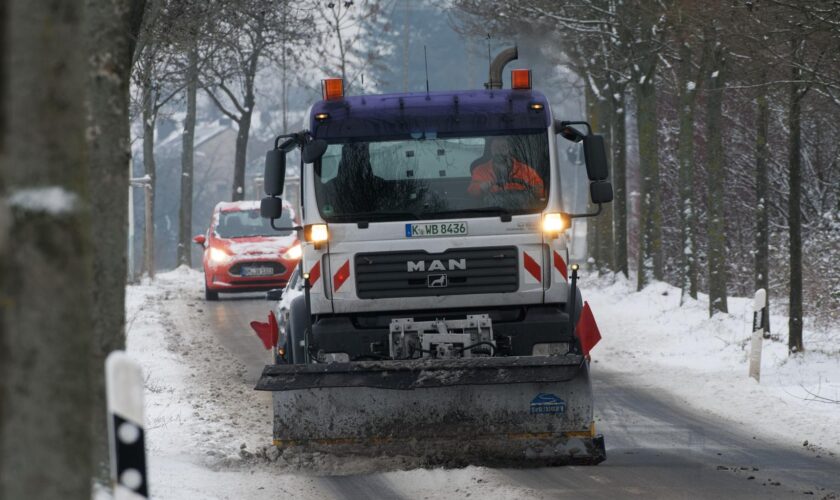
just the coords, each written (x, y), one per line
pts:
(126, 437)
(759, 320)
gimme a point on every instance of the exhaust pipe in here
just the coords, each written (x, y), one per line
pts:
(498, 64)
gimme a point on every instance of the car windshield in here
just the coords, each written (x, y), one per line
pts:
(245, 223)
(428, 178)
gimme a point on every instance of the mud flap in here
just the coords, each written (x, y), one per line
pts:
(501, 411)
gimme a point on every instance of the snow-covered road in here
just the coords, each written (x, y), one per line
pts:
(208, 429)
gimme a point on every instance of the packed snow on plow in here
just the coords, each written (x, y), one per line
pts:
(438, 317)
(489, 411)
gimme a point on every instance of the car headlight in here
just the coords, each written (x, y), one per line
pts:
(293, 252)
(218, 256)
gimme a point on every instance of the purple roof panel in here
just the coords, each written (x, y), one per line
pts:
(394, 116)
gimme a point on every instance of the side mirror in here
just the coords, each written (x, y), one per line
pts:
(274, 294)
(596, 157)
(271, 207)
(314, 150)
(600, 192)
(568, 132)
(200, 239)
(275, 172)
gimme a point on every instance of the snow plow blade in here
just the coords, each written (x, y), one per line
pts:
(499, 411)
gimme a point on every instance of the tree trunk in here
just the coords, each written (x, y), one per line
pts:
(406, 37)
(594, 119)
(46, 266)
(762, 189)
(715, 183)
(650, 237)
(149, 118)
(108, 28)
(599, 239)
(795, 214)
(238, 193)
(619, 175)
(187, 146)
(284, 67)
(685, 156)
(604, 222)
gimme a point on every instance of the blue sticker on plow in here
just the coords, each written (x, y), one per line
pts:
(545, 403)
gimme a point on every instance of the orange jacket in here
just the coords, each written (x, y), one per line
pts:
(485, 173)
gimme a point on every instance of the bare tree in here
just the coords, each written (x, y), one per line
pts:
(159, 78)
(46, 270)
(189, 30)
(715, 173)
(348, 39)
(796, 93)
(112, 27)
(689, 81)
(247, 31)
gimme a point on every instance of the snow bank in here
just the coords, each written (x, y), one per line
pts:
(656, 343)
(202, 420)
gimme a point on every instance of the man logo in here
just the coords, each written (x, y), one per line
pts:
(437, 281)
(436, 265)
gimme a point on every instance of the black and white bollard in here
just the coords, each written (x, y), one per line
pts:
(124, 390)
(759, 312)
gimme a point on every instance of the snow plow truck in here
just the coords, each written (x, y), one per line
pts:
(437, 318)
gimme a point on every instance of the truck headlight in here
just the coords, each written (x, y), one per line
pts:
(218, 256)
(316, 233)
(555, 223)
(293, 252)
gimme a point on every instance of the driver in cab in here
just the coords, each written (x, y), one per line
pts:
(502, 172)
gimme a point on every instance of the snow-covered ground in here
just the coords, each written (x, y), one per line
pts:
(208, 431)
(703, 361)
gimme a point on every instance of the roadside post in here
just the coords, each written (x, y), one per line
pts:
(759, 320)
(124, 390)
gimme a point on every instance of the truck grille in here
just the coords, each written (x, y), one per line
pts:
(453, 272)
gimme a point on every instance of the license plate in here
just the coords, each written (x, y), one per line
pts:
(257, 271)
(435, 229)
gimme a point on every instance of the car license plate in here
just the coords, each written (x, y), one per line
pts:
(257, 271)
(435, 229)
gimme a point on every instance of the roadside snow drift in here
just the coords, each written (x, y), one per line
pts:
(654, 342)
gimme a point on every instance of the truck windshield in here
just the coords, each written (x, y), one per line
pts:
(433, 178)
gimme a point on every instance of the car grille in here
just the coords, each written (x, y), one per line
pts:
(486, 270)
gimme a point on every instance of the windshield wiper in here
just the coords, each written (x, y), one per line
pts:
(502, 212)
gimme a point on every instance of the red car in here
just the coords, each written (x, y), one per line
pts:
(243, 253)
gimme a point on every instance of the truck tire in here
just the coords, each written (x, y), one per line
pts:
(296, 330)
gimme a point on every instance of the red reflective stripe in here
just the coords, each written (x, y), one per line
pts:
(341, 276)
(315, 273)
(560, 264)
(532, 267)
